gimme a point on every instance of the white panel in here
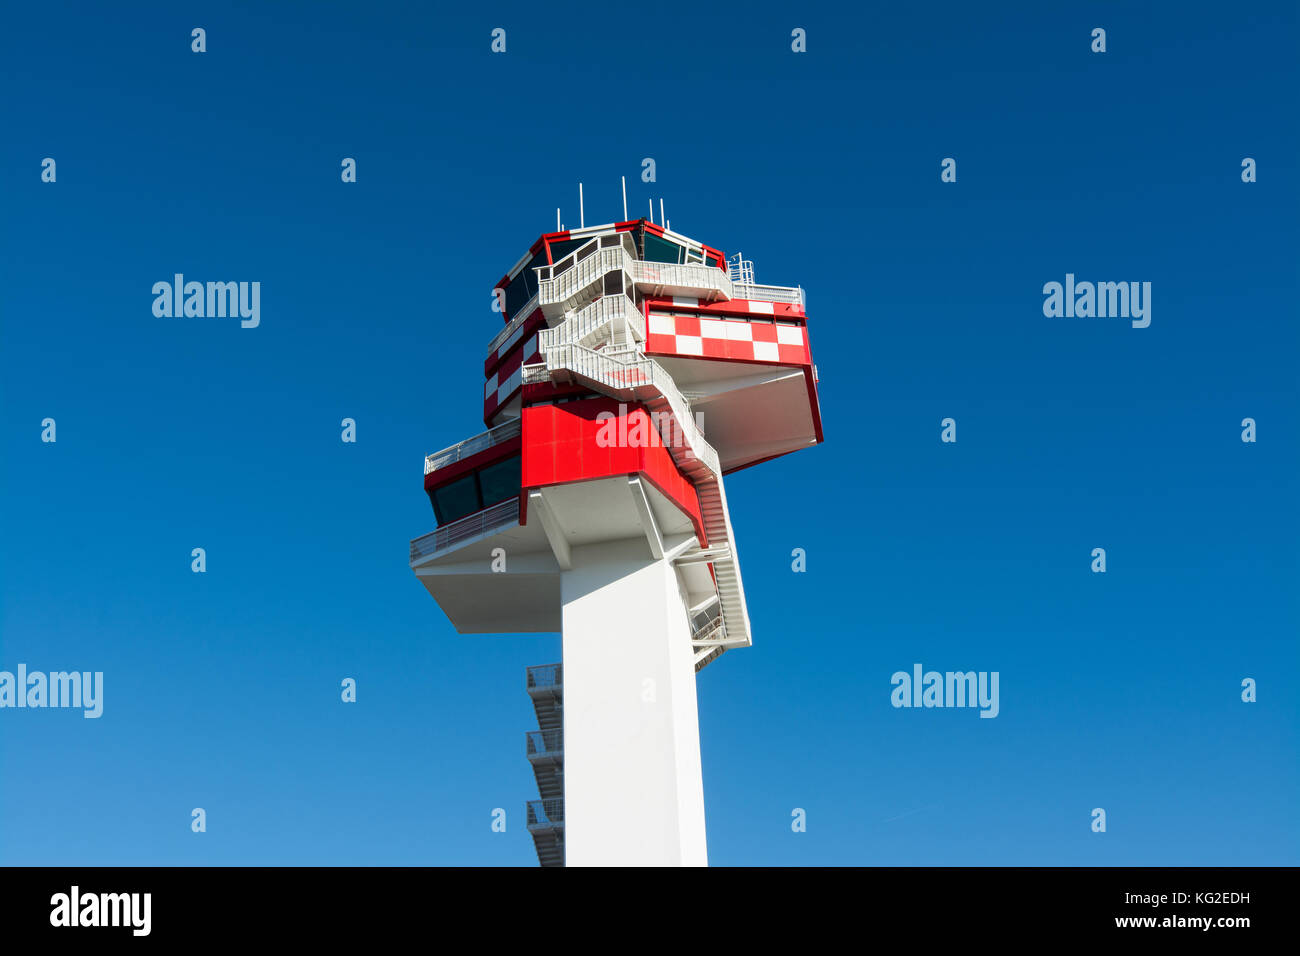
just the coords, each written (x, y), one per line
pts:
(740, 331)
(713, 329)
(764, 307)
(766, 352)
(662, 325)
(789, 334)
(690, 345)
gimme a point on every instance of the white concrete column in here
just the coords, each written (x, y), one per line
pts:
(633, 790)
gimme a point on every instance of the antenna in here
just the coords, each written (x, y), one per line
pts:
(652, 210)
(582, 219)
(662, 221)
(624, 198)
(557, 219)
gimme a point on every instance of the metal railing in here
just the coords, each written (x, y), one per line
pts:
(609, 253)
(513, 325)
(688, 275)
(471, 446)
(591, 319)
(545, 676)
(741, 270)
(545, 743)
(479, 523)
(712, 633)
(546, 813)
(769, 293)
(580, 274)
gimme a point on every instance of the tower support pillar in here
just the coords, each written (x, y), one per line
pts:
(633, 790)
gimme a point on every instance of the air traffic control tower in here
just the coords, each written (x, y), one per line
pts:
(636, 368)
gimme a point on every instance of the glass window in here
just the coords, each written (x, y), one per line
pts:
(714, 261)
(560, 249)
(500, 481)
(456, 500)
(517, 296)
(528, 275)
(661, 250)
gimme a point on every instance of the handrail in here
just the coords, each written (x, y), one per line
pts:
(471, 526)
(545, 742)
(587, 320)
(588, 263)
(715, 632)
(545, 675)
(471, 446)
(514, 324)
(769, 293)
(546, 813)
(693, 275)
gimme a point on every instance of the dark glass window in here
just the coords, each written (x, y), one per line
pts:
(500, 481)
(562, 248)
(517, 296)
(661, 250)
(524, 285)
(528, 275)
(714, 261)
(456, 500)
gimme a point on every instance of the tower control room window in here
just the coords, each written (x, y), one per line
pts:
(500, 481)
(524, 285)
(488, 486)
(456, 500)
(661, 250)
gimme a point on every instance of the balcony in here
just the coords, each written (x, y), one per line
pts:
(545, 815)
(769, 293)
(546, 680)
(471, 446)
(466, 529)
(545, 746)
(692, 280)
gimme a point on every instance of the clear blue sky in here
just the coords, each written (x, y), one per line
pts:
(1119, 690)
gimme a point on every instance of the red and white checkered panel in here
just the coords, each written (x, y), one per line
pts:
(502, 383)
(526, 328)
(749, 340)
(747, 307)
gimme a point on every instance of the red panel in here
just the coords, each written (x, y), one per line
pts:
(560, 446)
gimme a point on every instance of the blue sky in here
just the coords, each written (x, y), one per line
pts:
(1118, 690)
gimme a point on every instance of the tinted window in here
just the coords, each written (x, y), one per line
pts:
(661, 250)
(500, 481)
(517, 296)
(561, 249)
(528, 275)
(456, 500)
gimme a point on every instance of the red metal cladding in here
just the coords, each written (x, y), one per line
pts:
(570, 442)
